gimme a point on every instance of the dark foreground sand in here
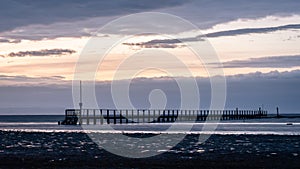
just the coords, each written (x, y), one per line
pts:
(76, 150)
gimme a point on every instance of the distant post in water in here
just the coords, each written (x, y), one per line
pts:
(277, 110)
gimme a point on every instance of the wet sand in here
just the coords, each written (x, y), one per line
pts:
(77, 150)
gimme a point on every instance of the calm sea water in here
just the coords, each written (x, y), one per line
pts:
(31, 118)
(48, 123)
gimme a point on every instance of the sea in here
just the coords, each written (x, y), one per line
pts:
(287, 125)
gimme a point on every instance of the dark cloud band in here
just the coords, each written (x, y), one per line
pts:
(265, 62)
(47, 12)
(44, 52)
(69, 13)
(173, 43)
(10, 41)
(251, 30)
(246, 90)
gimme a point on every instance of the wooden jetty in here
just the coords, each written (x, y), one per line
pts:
(114, 116)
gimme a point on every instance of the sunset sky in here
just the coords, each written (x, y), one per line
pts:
(41, 41)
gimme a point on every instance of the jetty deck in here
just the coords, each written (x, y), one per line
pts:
(115, 116)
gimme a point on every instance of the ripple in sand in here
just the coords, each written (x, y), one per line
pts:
(11, 146)
(239, 141)
(144, 151)
(200, 151)
(141, 147)
(247, 144)
(191, 151)
(186, 157)
(161, 151)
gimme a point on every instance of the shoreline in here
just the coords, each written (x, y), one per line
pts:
(254, 133)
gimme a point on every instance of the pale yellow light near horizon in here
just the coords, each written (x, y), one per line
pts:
(155, 62)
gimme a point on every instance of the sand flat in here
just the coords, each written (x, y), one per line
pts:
(77, 150)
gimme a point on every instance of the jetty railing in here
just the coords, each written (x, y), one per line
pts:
(116, 116)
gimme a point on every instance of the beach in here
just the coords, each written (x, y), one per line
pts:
(20, 149)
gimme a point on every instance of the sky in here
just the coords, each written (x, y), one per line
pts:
(255, 46)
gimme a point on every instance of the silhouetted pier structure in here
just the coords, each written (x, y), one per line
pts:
(114, 116)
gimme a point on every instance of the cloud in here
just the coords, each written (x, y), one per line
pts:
(48, 12)
(167, 43)
(246, 91)
(265, 62)
(44, 52)
(251, 31)
(207, 13)
(35, 99)
(171, 43)
(25, 78)
(269, 89)
(9, 41)
(48, 20)
(21, 80)
(272, 75)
